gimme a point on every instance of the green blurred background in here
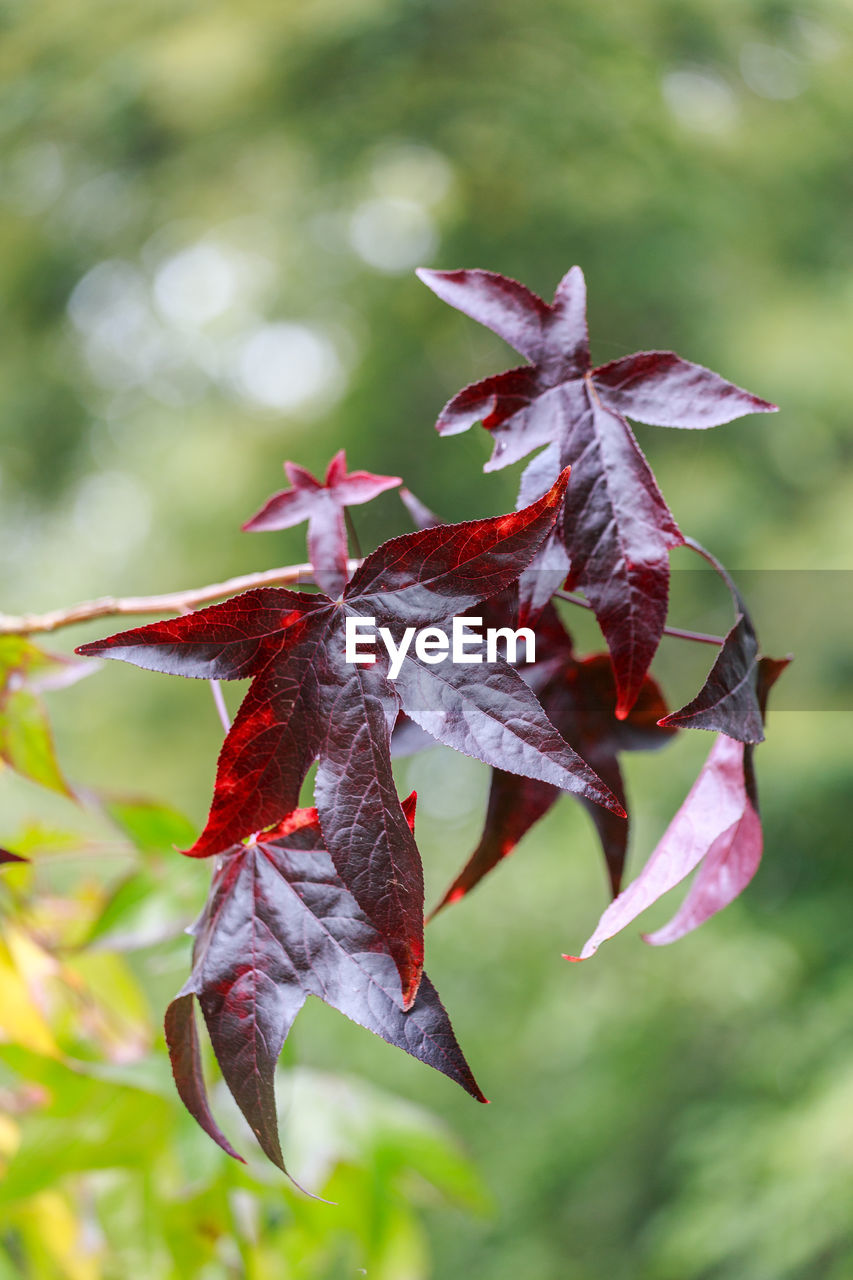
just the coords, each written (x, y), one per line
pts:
(209, 216)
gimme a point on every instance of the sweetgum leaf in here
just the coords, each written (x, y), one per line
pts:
(617, 528)
(579, 698)
(306, 702)
(322, 505)
(185, 1056)
(728, 701)
(279, 926)
(717, 829)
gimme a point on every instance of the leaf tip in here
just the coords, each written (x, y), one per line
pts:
(6, 855)
(409, 807)
(410, 994)
(91, 649)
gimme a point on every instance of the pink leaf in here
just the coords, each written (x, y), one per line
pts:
(711, 819)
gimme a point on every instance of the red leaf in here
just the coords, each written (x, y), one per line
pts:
(322, 505)
(7, 856)
(279, 926)
(617, 528)
(307, 701)
(579, 699)
(717, 826)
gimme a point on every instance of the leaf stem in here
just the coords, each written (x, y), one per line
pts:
(701, 637)
(171, 602)
(219, 702)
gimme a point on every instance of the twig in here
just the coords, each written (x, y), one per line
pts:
(192, 598)
(171, 602)
(701, 637)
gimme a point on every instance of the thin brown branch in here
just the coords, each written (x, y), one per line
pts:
(701, 637)
(171, 602)
(194, 597)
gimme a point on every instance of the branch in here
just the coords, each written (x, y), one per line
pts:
(183, 601)
(702, 637)
(172, 602)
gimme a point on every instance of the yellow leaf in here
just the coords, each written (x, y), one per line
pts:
(21, 1020)
(62, 1237)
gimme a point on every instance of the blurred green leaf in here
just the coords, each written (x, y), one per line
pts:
(26, 742)
(113, 1126)
(137, 914)
(153, 828)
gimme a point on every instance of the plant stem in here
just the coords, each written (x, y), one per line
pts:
(219, 702)
(172, 602)
(701, 637)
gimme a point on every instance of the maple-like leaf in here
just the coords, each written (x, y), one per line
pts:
(717, 829)
(306, 701)
(617, 528)
(279, 926)
(579, 698)
(730, 699)
(322, 504)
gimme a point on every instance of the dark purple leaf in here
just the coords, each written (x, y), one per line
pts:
(617, 528)
(660, 388)
(728, 702)
(185, 1057)
(279, 925)
(496, 719)
(579, 699)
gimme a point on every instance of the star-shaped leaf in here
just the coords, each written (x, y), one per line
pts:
(279, 926)
(322, 504)
(617, 528)
(307, 701)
